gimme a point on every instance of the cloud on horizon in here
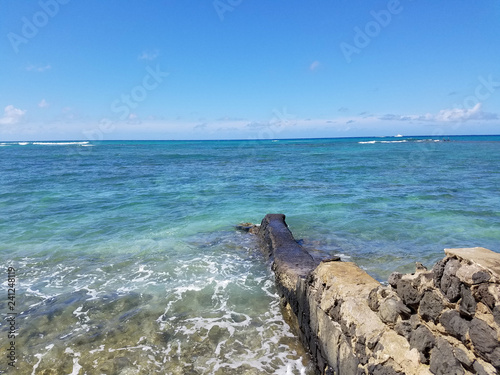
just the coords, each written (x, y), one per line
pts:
(461, 114)
(12, 115)
(446, 115)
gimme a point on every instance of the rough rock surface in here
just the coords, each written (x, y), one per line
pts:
(443, 321)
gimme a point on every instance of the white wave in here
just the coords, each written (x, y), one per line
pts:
(78, 312)
(343, 256)
(40, 356)
(144, 274)
(61, 143)
(394, 141)
(99, 349)
(91, 292)
(367, 142)
(37, 293)
(76, 366)
(23, 143)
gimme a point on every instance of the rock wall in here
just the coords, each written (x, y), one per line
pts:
(443, 321)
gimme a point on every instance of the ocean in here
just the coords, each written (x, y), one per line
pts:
(125, 259)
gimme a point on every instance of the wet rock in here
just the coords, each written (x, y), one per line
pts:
(467, 303)
(442, 360)
(254, 230)
(217, 334)
(483, 337)
(408, 293)
(247, 227)
(121, 363)
(394, 278)
(454, 324)
(291, 261)
(431, 306)
(424, 341)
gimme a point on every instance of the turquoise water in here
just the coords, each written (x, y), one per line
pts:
(128, 262)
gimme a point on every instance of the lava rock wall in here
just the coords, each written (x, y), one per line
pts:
(442, 321)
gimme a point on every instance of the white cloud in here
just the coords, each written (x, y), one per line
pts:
(462, 114)
(446, 115)
(314, 66)
(133, 119)
(11, 115)
(149, 55)
(34, 68)
(43, 104)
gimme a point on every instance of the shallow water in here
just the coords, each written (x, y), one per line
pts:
(128, 262)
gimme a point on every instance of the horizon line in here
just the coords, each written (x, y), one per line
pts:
(252, 139)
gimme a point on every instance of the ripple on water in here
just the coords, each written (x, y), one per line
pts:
(210, 313)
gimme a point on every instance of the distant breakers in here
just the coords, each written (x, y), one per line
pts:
(362, 38)
(40, 19)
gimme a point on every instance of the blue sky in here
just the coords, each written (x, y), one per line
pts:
(247, 69)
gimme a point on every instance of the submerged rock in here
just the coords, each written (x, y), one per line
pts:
(248, 227)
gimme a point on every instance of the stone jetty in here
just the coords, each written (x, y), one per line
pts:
(440, 321)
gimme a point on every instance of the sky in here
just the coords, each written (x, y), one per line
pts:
(247, 69)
